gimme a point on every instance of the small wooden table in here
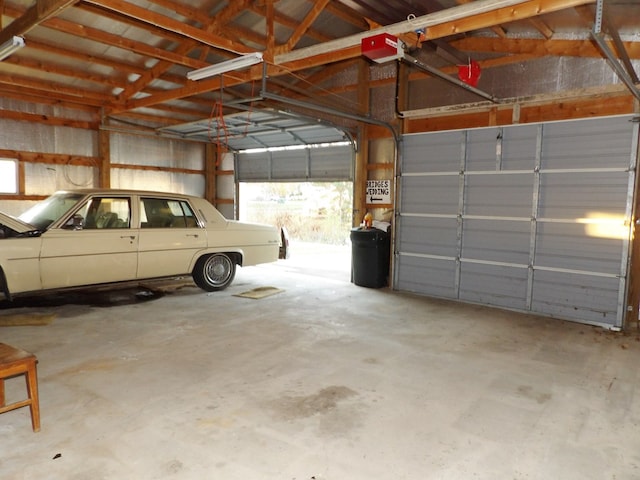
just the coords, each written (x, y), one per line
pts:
(14, 362)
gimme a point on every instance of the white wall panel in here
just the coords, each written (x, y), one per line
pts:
(158, 181)
(35, 137)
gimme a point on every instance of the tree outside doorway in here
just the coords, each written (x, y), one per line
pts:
(317, 217)
(312, 212)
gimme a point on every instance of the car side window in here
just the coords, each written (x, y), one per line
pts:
(105, 213)
(166, 213)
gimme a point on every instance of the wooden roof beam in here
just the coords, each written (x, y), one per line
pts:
(463, 18)
(303, 27)
(542, 27)
(101, 36)
(497, 29)
(286, 21)
(52, 90)
(122, 68)
(192, 13)
(66, 72)
(172, 25)
(188, 45)
(346, 14)
(540, 48)
(37, 96)
(116, 17)
(460, 19)
(33, 16)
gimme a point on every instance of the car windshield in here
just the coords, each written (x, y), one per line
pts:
(48, 211)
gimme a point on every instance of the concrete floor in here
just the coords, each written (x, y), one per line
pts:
(323, 381)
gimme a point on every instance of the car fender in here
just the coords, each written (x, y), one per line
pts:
(236, 254)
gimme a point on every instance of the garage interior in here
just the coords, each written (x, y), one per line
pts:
(505, 342)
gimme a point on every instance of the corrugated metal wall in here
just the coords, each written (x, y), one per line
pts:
(127, 153)
(323, 164)
(533, 217)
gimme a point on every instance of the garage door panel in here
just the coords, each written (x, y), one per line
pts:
(482, 149)
(287, 166)
(498, 285)
(496, 240)
(429, 236)
(437, 153)
(431, 194)
(499, 195)
(518, 149)
(569, 246)
(427, 276)
(581, 195)
(256, 169)
(584, 298)
(330, 163)
(588, 144)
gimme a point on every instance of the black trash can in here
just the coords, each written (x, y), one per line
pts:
(370, 249)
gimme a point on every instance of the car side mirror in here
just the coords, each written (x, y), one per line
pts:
(74, 223)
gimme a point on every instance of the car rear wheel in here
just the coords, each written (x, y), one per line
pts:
(214, 272)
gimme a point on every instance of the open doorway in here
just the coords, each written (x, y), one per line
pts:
(317, 215)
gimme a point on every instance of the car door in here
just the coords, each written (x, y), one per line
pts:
(96, 245)
(170, 236)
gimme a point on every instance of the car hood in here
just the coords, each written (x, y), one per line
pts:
(14, 224)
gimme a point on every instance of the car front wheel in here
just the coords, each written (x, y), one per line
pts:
(214, 272)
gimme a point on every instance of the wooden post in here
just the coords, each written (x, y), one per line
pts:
(22, 184)
(104, 153)
(360, 178)
(362, 156)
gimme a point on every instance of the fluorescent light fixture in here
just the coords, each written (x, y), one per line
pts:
(10, 46)
(237, 63)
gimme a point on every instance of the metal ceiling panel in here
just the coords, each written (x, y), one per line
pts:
(258, 129)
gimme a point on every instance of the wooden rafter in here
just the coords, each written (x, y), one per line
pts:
(286, 21)
(303, 26)
(271, 28)
(121, 67)
(100, 36)
(539, 47)
(439, 24)
(33, 16)
(346, 14)
(182, 35)
(62, 70)
(542, 27)
(526, 9)
(170, 24)
(63, 93)
(497, 29)
(185, 47)
(27, 95)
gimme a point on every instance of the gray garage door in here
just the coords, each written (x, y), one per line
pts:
(315, 164)
(530, 217)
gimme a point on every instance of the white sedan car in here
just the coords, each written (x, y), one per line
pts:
(91, 237)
